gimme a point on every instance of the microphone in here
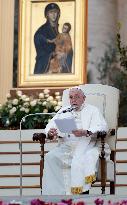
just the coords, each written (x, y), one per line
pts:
(35, 114)
(70, 109)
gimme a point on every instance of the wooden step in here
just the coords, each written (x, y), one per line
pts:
(108, 185)
(25, 141)
(17, 175)
(121, 139)
(121, 150)
(47, 141)
(37, 163)
(24, 152)
(18, 164)
(18, 187)
(121, 185)
(121, 173)
(38, 152)
(38, 186)
(38, 175)
(17, 142)
(121, 161)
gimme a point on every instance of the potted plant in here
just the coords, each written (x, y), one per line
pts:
(14, 109)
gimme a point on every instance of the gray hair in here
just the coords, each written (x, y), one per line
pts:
(78, 89)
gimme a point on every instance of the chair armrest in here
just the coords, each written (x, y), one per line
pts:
(39, 137)
(101, 134)
(112, 132)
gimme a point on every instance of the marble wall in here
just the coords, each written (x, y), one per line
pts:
(102, 21)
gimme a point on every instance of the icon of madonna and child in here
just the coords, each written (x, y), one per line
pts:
(54, 51)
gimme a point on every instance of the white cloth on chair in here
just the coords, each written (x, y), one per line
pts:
(75, 158)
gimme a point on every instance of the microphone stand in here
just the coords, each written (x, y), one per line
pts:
(20, 142)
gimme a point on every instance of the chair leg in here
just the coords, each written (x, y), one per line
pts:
(102, 189)
(41, 138)
(103, 164)
(112, 187)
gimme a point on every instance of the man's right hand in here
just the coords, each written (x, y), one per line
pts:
(52, 133)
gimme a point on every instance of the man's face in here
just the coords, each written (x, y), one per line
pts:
(65, 29)
(76, 98)
(52, 15)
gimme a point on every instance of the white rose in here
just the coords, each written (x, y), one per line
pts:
(19, 93)
(45, 111)
(39, 102)
(26, 110)
(13, 110)
(7, 122)
(27, 99)
(50, 98)
(23, 97)
(47, 95)
(33, 103)
(58, 98)
(22, 109)
(57, 93)
(8, 95)
(26, 104)
(44, 103)
(60, 103)
(9, 105)
(57, 108)
(41, 95)
(46, 91)
(54, 102)
(15, 101)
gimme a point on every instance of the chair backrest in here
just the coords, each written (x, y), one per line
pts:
(106, 98)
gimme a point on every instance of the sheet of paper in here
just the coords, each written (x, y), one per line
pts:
(66, 125)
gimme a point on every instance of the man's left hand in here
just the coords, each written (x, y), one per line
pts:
(79, 133)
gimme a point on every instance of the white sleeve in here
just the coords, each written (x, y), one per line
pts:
(98, 122)
(52, 123)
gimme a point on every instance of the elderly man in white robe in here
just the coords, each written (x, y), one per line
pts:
(70, 168)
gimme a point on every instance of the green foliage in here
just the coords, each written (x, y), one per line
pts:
(14, 109)
(112, 71)
(122, 51)
(107, 65)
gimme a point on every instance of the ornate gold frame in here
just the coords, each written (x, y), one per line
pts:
(30, 18)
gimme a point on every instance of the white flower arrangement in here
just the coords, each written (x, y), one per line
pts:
(14, 109)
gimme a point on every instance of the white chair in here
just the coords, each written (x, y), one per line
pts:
(106, 98)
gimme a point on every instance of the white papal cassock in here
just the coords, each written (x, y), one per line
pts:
(71, 167)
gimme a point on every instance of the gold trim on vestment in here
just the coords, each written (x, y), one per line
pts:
(76, 190)
(90, 179)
